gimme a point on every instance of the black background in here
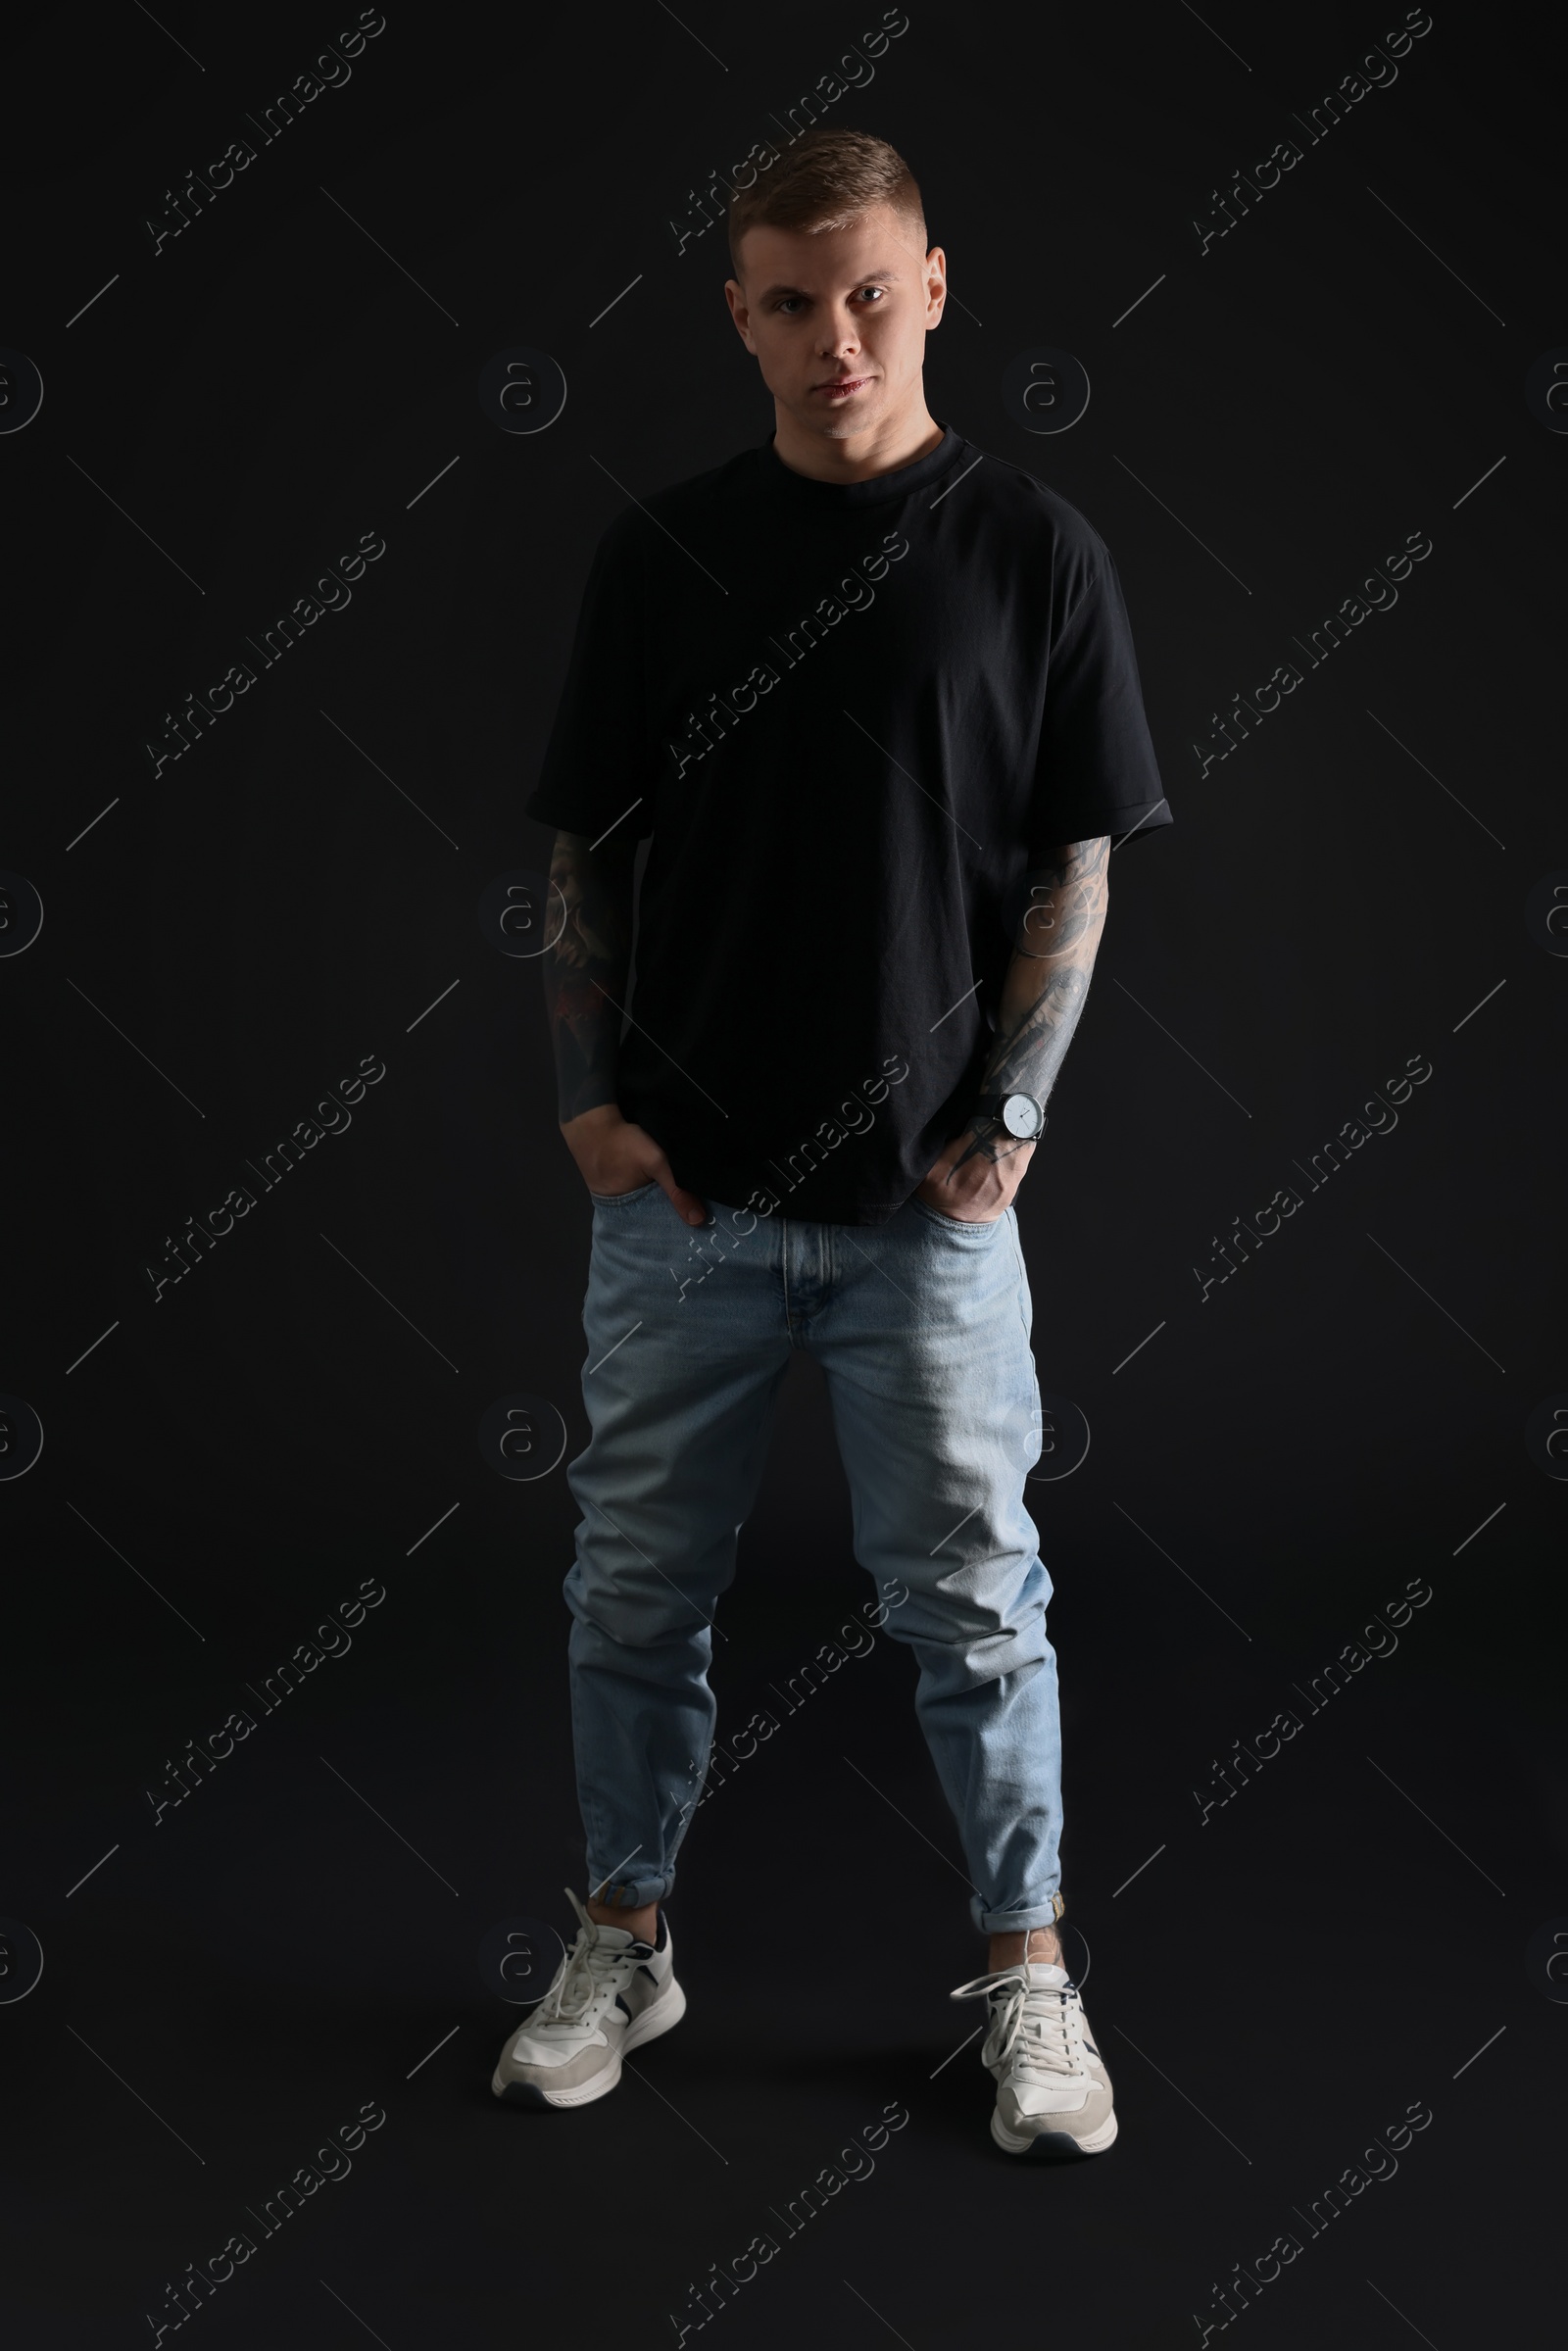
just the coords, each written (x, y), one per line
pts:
(1345, 1413)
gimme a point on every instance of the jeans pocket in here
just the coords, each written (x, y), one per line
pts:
(956, 1224)
(620, 1200)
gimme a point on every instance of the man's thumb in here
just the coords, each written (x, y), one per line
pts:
(685, 1203)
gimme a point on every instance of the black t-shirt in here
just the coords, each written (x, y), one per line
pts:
(850, 717)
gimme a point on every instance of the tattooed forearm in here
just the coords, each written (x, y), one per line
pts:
(1065, 901)
(1046, 983)
(585, 970)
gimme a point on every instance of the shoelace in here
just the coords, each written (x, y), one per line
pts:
(591, 1969)
(1045, 2021)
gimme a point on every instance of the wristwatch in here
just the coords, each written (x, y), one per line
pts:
(1019, 1113)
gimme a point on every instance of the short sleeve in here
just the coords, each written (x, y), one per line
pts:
(599, 760)
(1096, 771)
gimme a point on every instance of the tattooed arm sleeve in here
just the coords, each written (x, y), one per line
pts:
(585, 970)
(1046, 983)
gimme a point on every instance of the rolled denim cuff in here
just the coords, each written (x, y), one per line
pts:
(1018, 1921)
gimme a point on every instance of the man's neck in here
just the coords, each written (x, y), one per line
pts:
(820, 459)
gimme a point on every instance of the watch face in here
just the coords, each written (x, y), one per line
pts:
(1019, 1116)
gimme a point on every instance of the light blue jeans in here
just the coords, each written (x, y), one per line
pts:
(921, 1327)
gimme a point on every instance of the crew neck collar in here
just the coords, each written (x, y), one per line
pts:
(921, 474)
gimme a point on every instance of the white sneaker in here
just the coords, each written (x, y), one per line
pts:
(1054, 2095)
(609, 1993)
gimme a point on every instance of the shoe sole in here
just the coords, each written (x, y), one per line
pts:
(1053, 2146)
(648, 2027)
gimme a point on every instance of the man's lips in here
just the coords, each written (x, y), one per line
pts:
(843, 383)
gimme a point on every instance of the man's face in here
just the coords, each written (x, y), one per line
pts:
(838, 318)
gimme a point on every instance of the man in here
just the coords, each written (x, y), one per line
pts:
(870, 695)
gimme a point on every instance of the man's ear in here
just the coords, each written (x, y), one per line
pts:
(739, 309)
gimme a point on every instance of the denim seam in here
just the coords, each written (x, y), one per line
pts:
(588, 1803)
(794, 1333)
(1023, 1280)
